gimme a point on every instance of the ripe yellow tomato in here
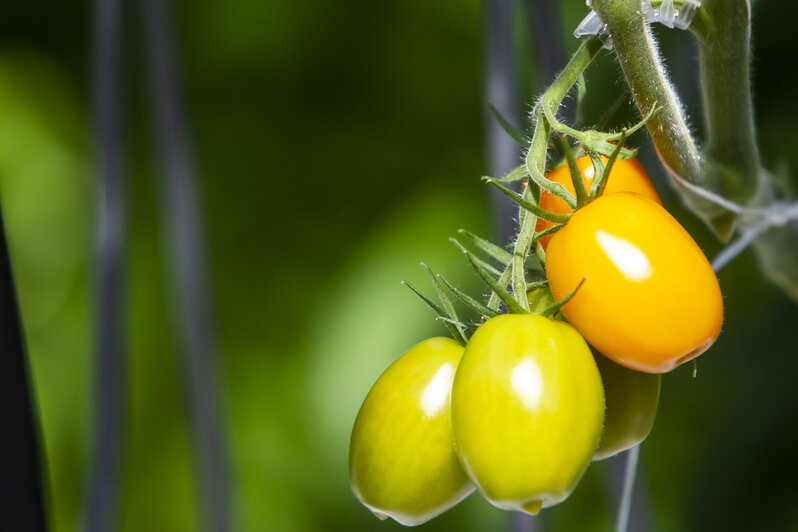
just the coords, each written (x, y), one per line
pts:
(650, 300)
(627, 175)
(527, 410)
(631, 398)
(402, 462)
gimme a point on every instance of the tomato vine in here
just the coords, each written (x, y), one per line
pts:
(626, 251)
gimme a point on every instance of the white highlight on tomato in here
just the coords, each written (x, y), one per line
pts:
(627, 257)
(528, 382)
(436, 395)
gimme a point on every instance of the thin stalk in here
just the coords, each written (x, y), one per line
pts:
(110, 407)
(21, 500)
(630, 471)
(184, 242)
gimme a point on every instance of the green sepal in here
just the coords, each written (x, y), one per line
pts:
(535, 285)
(453, 330)
(603, 144)
(539, 253)
(528, 205)
(602, 123)
(553, 188)
(488, 267)
(465, 324)
(515, 175)
(598, 172)
(600, 182)
(504, 279)
(628, 132)
(512, 305)
(576, 175)
(442, 296)
(508, 128)
(551, 310)
(469, 301)
(495, 252)
(547, 232)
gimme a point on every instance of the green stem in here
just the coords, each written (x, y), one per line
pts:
(639, 59)
(723, 30)
(536, 156)
(645, 74)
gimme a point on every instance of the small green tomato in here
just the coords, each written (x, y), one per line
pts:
(527, 410)
(632, 398)
(402, 462)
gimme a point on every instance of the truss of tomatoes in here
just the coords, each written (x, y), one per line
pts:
(520, 403)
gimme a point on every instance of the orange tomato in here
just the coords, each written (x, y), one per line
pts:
(627, 175)
(650, 300)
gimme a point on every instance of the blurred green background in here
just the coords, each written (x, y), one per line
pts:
(339, 144)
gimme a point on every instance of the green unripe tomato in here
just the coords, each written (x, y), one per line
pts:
(632, 398)
(527, 410)
(402, 462)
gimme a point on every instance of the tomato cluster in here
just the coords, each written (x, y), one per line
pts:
(532, 398)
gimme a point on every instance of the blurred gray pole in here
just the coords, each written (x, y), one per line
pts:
(503, 153)
(185, 248)
(500, 87)
(545, 31)
(109, 380)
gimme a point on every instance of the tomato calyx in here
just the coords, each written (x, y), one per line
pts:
(537, 300)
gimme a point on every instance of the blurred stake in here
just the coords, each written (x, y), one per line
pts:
(500, 86)
(184, 243)
(109, 381)
(503, 153)
(548, 45)
(21, 503)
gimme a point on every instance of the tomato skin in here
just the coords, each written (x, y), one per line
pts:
(631, 398)
(402, 462)
(527, 410)
(627, 175)
(650, 300)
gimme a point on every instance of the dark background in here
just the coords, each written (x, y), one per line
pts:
(339, 144)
